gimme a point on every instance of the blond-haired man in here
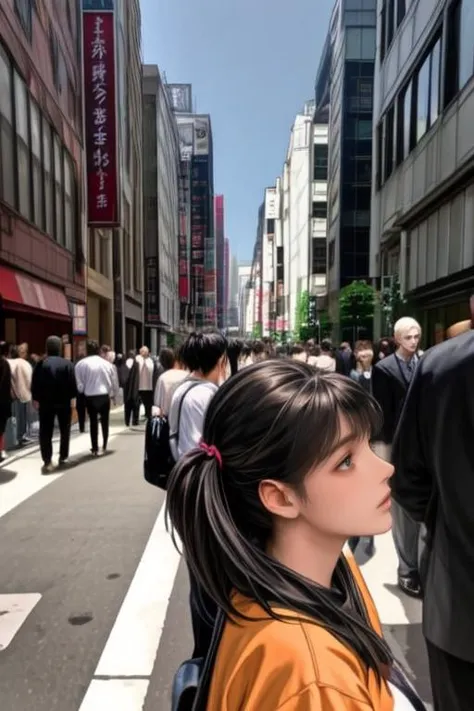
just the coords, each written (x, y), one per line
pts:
(391, 379)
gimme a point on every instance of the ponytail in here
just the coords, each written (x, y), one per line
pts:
(263, 420)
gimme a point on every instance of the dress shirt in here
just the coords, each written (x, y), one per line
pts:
(96, 376)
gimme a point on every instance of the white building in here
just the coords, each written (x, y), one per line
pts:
(301, 229)
(422, 225)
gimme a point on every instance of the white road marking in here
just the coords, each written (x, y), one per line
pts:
(14, 609)
(380, 574)
(133, 642)
(134, 639)
(29, 479)
(116, 695)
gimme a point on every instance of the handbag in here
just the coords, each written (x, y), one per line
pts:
(192, 681)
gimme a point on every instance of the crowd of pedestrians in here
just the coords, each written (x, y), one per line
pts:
(283, 455)
(287, 458)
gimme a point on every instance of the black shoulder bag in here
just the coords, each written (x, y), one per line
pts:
(192, 681)
(159, 460)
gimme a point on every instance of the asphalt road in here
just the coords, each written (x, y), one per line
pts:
(93, 596)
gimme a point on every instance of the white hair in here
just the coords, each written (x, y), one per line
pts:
(404, 324)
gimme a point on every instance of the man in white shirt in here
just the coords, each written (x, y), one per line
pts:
(205, 356)
(97, 379)
(173, 375)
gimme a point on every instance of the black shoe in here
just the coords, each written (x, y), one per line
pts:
(410, 586)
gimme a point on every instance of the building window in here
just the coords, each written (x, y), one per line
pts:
(459, 48)
(24, 12)
(389, 7)
(58, 192)
(362, 18)
(23, 146)
(318, 256)
(466, 43)
(37, 165)
(48, 180)
(435, 73)
(389, 143)
(360, 43)
(7, 162)
(422, 99)
(406, 121)
(320, 168)
(363, 130)
(270, 227)
(70, 213)
(320, 210)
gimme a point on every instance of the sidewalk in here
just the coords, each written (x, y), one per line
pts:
(21, 476)
(116, 418)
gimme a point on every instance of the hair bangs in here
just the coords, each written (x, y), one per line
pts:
(334, 400)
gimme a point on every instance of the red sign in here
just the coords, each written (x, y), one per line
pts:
(101, 116)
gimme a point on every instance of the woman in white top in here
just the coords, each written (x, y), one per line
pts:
(168, 381)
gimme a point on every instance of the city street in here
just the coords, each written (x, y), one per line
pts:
(93, 596)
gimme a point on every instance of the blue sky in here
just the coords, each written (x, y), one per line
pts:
(252, 64)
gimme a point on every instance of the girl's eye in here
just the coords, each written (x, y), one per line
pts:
(346, 463)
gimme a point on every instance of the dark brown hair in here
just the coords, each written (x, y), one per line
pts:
(274, 419)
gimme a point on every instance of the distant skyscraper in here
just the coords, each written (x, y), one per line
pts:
(226, 278)
(220, 274)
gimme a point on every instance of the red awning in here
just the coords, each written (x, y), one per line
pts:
(19, 291)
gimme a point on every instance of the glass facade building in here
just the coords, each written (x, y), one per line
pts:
(345, 83)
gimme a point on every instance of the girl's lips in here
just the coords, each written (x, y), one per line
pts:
(386, 502)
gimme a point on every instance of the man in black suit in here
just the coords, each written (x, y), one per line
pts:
(433, 453)
(53, 388)
(391, 378)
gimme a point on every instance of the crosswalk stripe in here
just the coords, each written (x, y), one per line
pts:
(133, 643)
(14, 609)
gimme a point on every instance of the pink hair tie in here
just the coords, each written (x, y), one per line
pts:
(212, 451)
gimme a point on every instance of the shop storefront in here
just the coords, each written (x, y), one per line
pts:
(31, 310)
(439, 305)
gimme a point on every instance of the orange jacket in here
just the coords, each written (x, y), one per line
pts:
(268, 665)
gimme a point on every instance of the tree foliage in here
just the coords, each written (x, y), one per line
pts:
(301, 317)
(393, 304)
(357, 304)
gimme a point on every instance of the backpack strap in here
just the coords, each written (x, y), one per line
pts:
(175, 435)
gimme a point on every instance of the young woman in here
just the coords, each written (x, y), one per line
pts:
(284, 476)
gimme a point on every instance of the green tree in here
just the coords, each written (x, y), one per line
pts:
(257, 331)
(356, 306)
(301, 317)
(393, 305)
(325, 325)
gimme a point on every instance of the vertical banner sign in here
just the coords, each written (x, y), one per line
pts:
(100, 117)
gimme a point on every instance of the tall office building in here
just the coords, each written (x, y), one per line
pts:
(112, 72)
(345, 83)
(423, 193)
(197, 251)
(244, 270)
(161, 211)
(42, 280)
(219, 230)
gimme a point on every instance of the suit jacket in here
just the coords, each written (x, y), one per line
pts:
(389, 388)
(433, 454)
(54, 382)
(264, 664)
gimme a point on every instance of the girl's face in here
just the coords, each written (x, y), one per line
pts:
(349, 494)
